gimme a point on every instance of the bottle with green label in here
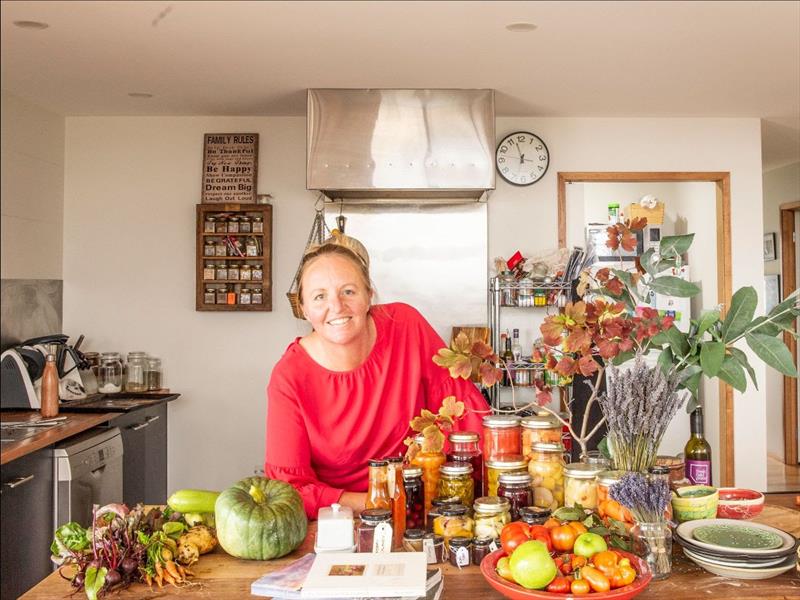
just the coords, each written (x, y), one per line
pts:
(698, 452)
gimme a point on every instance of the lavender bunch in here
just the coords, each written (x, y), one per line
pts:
(638, 405)
(646, 498)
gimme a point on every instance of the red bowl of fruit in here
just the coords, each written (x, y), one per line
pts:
(517, 592)
(739, 503)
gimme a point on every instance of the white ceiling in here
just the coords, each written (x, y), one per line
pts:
(611, 59)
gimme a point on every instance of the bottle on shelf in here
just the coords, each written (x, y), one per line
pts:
(508, 358)
(50, 388)
(698, 452)
(516, 348)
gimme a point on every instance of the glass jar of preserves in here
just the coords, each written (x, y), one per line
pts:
(258, 224)
(491, 515)
(461, 551)
(209, 297)
(580, 485)
(516, 488)
(607, 506)
(233, 225)
(375, 531)
(481, 548)
(378, 489)
(136, 365)
(429, 462)
(222, 224)
(415, 498)
(246, 273)
(257, 296)
(547, 469)
(525, 292)
(465, 447)
(455, 480)
(258, 272)
(502, 464)
(412, 540)
(109, 373)
(209, 248)
(501, 436)
(433, 547)
(209, 271)
(222, 294)
(245, 296)
(539, 428)
(534, 515)
(233, 272)
(209, 224)
(397, 494)
(245, 225)
(454, 522)
(221, 249)
(152, 373)
(437, 504)
(251, 247)
(222, 271)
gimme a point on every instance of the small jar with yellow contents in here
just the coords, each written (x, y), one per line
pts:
(547, 470)
(502, 464)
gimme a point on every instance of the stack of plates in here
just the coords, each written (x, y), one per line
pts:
(731, 548)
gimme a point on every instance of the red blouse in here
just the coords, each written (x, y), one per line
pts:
(323, 426)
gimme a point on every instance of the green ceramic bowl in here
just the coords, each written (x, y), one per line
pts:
(695, 502)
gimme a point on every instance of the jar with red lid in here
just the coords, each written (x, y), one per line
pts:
(465, 447)
(516, 488)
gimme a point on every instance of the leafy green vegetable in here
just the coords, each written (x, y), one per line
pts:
(71, 537)
(95, 579)
(173, 529)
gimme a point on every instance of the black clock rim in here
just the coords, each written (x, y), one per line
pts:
(500, 143)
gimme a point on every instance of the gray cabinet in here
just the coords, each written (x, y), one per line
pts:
(26, 496)
(144, 439)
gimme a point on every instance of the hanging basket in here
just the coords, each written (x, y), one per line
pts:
(319, 232)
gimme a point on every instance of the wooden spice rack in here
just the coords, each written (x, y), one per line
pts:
(235, 285)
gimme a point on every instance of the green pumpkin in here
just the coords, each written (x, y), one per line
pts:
(260, 518)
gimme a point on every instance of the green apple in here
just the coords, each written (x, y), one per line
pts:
(531, 565)
(589, 544)
(504, 570)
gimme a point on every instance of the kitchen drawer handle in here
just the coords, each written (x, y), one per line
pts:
(141, 426)
(151, 419)
(19, 481)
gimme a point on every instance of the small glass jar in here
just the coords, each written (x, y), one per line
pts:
(222, 295)
(245, 225)
(533, 515)
(258, 272)
(502, 464)
(522, 375)
(251, 247)
(429, 462)
(210, 296)
(547, 469)
(257, 296)
(245, 296)
(222, 224)
(508, 290)
(539, 298)
(233, 272)
(209, 225)
(415, 498)
(661, 472)
(246, 273)
(525, 292)
(437, 504)
(210, 248)
(607, 506)
(491, 515)
(378, 488)
(152, 373)
(596, 458)
(221, 249)
(412, 540)
(481, 548)
(136, 365)
(233, 225)
(501, 436)
(465, 447)
(232, 296)
(109, 373)
(258, 224)
(461, 551)
(653, 543)
(539, 428)
(516, 488)
(580, 485)
(222, 271)
(209, 271)
(433, 547)
(375, 531)
(455, 480)
(454, 522)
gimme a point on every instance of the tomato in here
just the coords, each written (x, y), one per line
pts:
(563, 537)
(513, 535)
(559, 585)
(541, 533)
(564, 564)
(578, 527)
(551, 522)
(624, 575)
(577, 562)
(597, 581)
(606, 561)
(579, 587)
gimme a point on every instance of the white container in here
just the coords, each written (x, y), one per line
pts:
(335, 529)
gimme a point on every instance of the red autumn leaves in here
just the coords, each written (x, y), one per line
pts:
(622, 234)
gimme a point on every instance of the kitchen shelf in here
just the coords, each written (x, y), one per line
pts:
(252, 282)
(209, 258)
(245, 233)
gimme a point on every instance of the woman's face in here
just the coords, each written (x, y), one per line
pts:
(336, 299)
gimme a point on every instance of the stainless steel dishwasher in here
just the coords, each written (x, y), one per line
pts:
(87, 471)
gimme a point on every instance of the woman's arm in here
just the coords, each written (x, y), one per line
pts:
(355, 500)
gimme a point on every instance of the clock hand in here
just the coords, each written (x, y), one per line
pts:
(522, 158)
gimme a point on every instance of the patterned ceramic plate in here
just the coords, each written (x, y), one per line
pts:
(744, 572)
(718, 535)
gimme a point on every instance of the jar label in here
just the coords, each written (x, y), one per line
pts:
(382, 542)
(462, 557)
(493, 546)
(699, 471)
(429, 550)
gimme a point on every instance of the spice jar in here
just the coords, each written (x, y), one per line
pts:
(221, 249)
(251, 247)
(231, 296)
(437, 504)
(415, 497)
(534, 515)
(525, 292)
(375, 530)
(209, 248)
(454, 522)
(607, 506)
(433, 547)
(547, 469)
(481, 548)
(258, 224)
(222, 224)
(152, 373)
(502, 464)
(580, 485)
(109, 373)
(258, 272)
(501, 436)
(246, 273)
(455, 480)
(222, 294)
(245, 296)
(412, 540)
(233, 272)
(465, 447)
(222, 271)
(209, 296)
(245, 225)
(491, 515)
(516, 488)
(257, 297)
(209, 271)
(209, 225)
(378, 489)
(461, 551)
(233, 225)
(136, 365)
(539, 428)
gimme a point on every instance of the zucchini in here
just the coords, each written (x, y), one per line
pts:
(193, 501)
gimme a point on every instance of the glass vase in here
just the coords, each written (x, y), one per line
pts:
(653, 543)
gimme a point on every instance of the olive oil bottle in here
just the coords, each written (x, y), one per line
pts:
(698, 452)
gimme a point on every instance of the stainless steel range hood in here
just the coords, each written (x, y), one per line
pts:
(400, 145)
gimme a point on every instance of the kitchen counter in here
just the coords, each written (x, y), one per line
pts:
(223, 577)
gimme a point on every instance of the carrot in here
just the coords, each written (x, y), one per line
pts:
(173, 572)
(148, 579)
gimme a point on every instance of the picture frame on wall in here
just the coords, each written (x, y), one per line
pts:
(769, 246)
(772, 291)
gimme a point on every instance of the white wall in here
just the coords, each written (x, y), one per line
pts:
(781, 185)
(32, 196)
(131, 184)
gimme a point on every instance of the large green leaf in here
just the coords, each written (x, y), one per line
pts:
(672, 245)
(743, 306)
(791, 301)
(773, 352)
(622, 357)
(760, 325)
(711, 356)
(677, 341)
(689, 372)
(707, 319)
(646, 260)
(741, 358)
(674, 286)
(665, 360)
(732, 372)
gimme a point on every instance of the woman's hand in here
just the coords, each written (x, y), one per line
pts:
(355, 500)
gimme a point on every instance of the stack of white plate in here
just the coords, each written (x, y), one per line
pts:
(731, 548)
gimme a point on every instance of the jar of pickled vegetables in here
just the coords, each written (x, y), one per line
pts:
(429, 462)
(516, 488)
(547, 470)
(606, 506)
(502, 464)
(539, 428)
(454, 522)
(437, 504)
(415, 498)
(501, 436)
(455, 480)
(491, 515)
(580, 485)
(465, 447)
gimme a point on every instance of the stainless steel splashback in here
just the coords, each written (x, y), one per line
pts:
(378, 145)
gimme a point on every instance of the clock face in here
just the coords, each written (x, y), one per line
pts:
(522, 158)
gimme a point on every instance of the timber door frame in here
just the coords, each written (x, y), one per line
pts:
(789, 284)
(722, 181)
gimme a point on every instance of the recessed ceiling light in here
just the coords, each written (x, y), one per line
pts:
(140, 95)
(520, 27)
(31, 24)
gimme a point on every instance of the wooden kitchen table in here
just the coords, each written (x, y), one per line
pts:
(223, 577)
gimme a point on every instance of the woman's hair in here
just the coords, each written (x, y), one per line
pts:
(339, 245)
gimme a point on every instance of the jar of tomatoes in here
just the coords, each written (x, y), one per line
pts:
(455, 481)
(501, 436)
(502, 464)
(546, 467)
(429, 462)
(539, 428)
(607, 506)
(465, 447)
(415, 498)
(580, 485)
(491, 515)
(516, 488)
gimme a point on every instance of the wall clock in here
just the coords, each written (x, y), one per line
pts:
(522, 158)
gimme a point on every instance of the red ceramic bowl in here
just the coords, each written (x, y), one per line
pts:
(738, 503)
(517, 592)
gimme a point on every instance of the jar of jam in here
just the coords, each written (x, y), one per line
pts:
(481, 548)
(412, 540)
(547, 469)
(516, 488)
(533, 515)
(501, 436)
(455, 481)
(433, 547)
(415, 498)
(491, 515)
(465, 447)
(539, 428)
(606, 506)
(378, 488)
(502, 464)
(437, 504)
(580, 485)
(429, 462)
(454, 522)
(461, 551)
(375, 531)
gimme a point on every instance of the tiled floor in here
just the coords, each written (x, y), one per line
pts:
(781, 477)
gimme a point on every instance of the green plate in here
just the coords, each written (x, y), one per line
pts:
(737, 536)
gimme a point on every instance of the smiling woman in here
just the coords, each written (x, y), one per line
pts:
(346, 392)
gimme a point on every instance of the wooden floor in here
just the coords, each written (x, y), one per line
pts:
(781, 477)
